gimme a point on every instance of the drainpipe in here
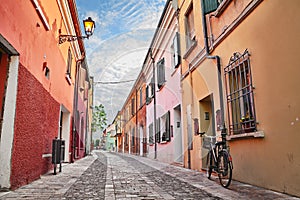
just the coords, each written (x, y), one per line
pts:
(217, 58)
(154, 107)
(75, 105)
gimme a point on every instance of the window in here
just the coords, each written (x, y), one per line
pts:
(141, 97)
(86, 90)
(239, 89)
(69, 63)
(132, 138)
(150, 91)
(161, 73)
(126, 139)
(213, 5)
(151, 141)
(190, 28)
(46, 70)
(147, 95)
(165, 127)
(157, 132)
(132, 107)
(175, 49)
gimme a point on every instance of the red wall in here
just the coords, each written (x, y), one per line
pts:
(3, 77)
(36, 124)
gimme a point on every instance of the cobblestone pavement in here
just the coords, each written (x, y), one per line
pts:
(120, 176)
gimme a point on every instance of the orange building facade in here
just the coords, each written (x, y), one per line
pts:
(132, 137)
(38, 82)
(239, 69)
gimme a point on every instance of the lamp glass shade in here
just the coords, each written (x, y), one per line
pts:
(89, 26)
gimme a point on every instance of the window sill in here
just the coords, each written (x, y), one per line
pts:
(161, 86)
(190, 49)
(257, 134)
(221, 8)
(174, 72)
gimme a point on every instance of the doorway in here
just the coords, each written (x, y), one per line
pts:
(206, 124)
(65, 123)
(178, 152)
(9, 66)
(141, 140)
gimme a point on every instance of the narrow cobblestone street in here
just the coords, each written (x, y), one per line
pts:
(120, 176)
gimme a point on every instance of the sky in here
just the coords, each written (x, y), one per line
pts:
(116, 51)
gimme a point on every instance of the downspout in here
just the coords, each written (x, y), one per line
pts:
(75, 105)
(154, 106)
(217, 58)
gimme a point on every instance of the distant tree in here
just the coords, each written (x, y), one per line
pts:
(99, 118)
(97, 143)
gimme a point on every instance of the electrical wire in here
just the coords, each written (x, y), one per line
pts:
(113, 82)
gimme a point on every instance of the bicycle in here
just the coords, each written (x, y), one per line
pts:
(219, 160)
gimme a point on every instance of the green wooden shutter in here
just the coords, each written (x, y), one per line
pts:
(132, 106)
(210, 6)
(160, 73)
(151, 141)
(157, 132)
(147, 94)
(176, 44)
(168, 127)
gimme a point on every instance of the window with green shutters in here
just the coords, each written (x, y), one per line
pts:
(176, 50)
(161, 73)
(141, 97)
(150, 88)
(147, 95)
(166, 127)
(132, 106)
(132, 138)
(212, 5)
(151, 141)
(157, 132)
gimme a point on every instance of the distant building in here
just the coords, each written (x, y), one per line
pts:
(110, 142)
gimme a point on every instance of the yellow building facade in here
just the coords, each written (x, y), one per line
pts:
(239, 63)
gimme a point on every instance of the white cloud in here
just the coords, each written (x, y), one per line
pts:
(116, 51)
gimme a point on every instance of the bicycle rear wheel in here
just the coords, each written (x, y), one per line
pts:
(224, 168)
(209, 164)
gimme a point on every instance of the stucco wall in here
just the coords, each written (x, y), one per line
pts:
(270, 34)
(36, 120)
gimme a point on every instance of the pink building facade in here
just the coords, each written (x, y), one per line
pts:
(164, 94)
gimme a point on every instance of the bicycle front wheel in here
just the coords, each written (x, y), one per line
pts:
(224, 168)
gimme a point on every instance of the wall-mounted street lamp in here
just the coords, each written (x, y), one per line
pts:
(89, 26)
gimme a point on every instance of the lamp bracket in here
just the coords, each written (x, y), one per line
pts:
(70, 38)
